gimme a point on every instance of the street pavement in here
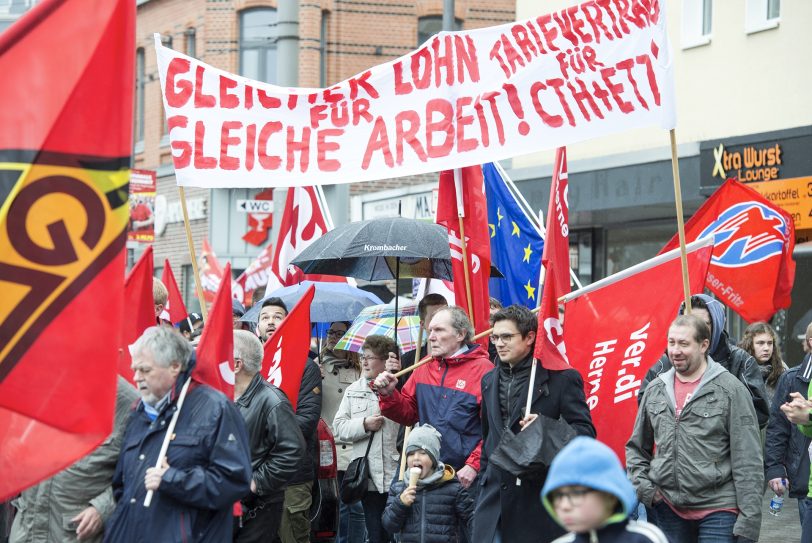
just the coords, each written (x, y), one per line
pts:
(785, 528)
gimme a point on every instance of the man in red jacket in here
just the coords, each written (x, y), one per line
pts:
(445, 392)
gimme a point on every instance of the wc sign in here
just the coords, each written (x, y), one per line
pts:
(255, 206)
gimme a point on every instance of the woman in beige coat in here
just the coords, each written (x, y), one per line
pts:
(358, 420)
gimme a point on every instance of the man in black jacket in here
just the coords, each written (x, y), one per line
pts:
(786, 452)
(735, 360)
(296, 512)
(508, 508)
(277, 444)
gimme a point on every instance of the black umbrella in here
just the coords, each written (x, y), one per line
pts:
(388, 248)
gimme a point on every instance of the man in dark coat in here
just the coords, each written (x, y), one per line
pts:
(207, 466)
(508, 508)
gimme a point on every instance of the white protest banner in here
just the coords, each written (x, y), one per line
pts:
(463, 98)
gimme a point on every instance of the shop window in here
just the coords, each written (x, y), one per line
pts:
(191, 42)
(761, 15)
(258, 35)
(626, 247)
(697, 23)
(430, 25)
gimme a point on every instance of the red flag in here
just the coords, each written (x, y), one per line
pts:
(619, 330)
(211, 272)
(304, 220)
(258, 222)
(140, 306)
(286, 351)
(215, 352)
(550, 346)
(175, 310)
(477, 240)
(752, 270)
(255, 276)
(68, 68)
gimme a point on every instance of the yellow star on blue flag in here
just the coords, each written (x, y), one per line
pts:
(516, 235)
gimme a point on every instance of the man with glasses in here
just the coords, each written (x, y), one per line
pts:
(508, 508)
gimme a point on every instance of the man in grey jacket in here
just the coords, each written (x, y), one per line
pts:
(73, 504)
(695, 452)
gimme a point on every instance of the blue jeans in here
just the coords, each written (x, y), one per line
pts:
(351, 526)
(714, 528)
(805, 511)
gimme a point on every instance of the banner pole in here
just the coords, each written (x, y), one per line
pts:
(461, 216)
(168, 437)
(406, 433)
(680, 221)
(190, 242)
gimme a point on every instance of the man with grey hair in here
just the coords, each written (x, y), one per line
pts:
(207, 466)
(445, 392)
(277, 444)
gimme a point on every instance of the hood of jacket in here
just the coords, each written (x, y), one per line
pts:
(718, 345)
(588, 462)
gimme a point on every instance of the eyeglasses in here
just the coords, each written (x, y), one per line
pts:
(575, 495)
(363, 358)
(336, 332)
(504, 338)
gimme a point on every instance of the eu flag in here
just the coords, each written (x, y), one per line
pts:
(516, 244)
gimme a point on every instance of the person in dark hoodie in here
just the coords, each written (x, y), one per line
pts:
(735, 360)
(437, 506)
(587, 492)
(507, 508)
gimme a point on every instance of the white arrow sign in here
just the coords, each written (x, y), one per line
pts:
(255, 206)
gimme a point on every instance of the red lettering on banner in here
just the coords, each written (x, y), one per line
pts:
(340, 115)
(267, 161)
(250, 146)
(512, 56)
(228, 162)
(627, 65)
(583, 96)
(500, 129)
(443, 124)
(400, 87)
(421, 79)
(615, 89)
(483, 124)
(302, 146)
(576, 24)
(652, 77)
(408, 135)
(185, 157)
(553, 121)
(523, 41)
(201, 161)
(494, 55)
(466, 59)
(601, 94)
(360, 110)
(378, 141)
(228, 101)
(516, 105)
(317, 113)
(330, 97)
(443, 61)
(202, 100)
(268, 102)
(362, 82)
(607, 9)
(464, 144)
(292, 101)
(548, 33)
(249, 97)
(592, 13)
(566, 28)
(177, 94)
(556, 84)
(323, 147)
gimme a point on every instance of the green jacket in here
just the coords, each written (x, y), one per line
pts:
(806, 429)
(711, 458)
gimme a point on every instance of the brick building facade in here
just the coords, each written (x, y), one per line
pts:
(337, 39)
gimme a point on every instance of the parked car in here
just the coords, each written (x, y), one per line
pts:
(324, 509)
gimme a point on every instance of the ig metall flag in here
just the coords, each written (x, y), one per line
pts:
(516, 242)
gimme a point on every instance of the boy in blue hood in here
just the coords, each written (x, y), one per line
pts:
(587, 493)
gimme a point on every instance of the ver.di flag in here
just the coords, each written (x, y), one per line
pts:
(283, 362)
(617, 328)
(66, 101)
(140, 307)
(516, 243)
(215, 352)
(752, 270)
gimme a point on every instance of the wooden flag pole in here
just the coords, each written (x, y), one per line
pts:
(680, 222)
(403, 452)
(190, 242)
(467, 273)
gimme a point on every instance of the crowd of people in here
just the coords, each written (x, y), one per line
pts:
(716, 425)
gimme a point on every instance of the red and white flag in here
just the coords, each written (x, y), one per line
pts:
(465, 196)
(140, 313)
(617, 329)
(211, 272)
(752, 270)
(215, 352)
(174, 310)
(286, 350)
(254, 277)
(259, 223)
(550, 346)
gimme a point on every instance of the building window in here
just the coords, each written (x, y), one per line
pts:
(761, 15)
(191, 42)
(697, 22)
(258, 44)
(431, 25)
(140, 84)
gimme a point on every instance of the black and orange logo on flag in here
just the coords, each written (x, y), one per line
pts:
(59, 226)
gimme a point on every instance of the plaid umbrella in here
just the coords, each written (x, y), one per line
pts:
(380, 320)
